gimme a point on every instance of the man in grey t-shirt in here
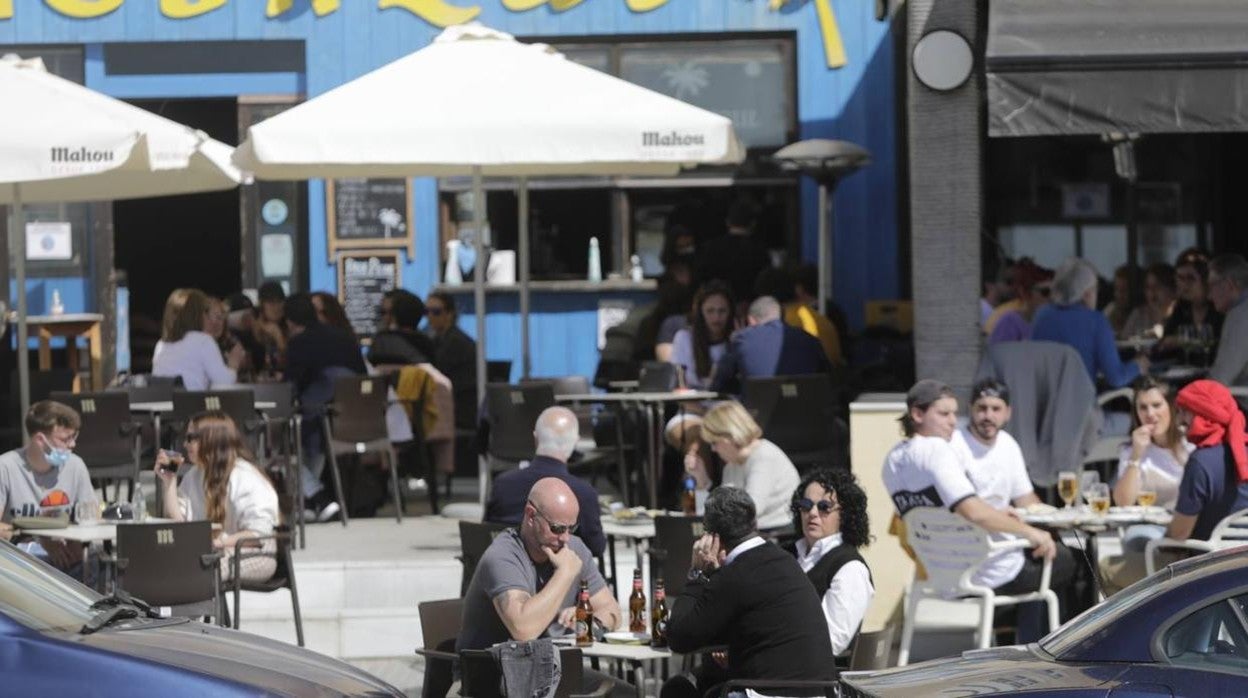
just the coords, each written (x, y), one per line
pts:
(44, 477)
(526, 583)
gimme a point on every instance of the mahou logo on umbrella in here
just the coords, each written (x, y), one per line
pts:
(80, 155)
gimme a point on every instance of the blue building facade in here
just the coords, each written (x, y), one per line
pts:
(844, 87)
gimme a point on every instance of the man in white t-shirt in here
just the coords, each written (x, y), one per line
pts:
(995, 466)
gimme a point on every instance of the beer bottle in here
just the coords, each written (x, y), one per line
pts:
(658, 614)
(584, 617)
(637, 606)
(689, 498)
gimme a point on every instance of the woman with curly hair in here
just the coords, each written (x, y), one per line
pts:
(830, 511)
(224, 488)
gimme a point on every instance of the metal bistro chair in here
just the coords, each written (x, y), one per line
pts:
(1230, 531)
(439, 627)
(108, 440)
(951, 549)
(283, 577)
(355, 423)
(657, 377)
(482, 677)
(284, 438)
(798, 414)
(672, 552)
(239, 404)
(171, 564)
(145, 388)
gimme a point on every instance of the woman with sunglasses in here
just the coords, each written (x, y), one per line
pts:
(224, 488)
(830, 511)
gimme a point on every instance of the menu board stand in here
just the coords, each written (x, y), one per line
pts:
(364, 278)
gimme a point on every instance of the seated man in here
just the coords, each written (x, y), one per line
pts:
(1215, 479)
(924, 470)
(44, 478)
(525, 585)
(994, 465)
(1228, 289)
(753, 597)
(768, 347)
(399, 341)
(556, 432)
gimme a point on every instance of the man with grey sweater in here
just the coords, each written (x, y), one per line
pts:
(1228, 289)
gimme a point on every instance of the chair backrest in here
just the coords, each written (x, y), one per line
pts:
(949, 547)
(359, 409)
(164, 563)
(439, 623)
(107, 435)
(513, 411)
(474, 538)
(482, 677)
(656, 377)
(672, 552)
(282, 395)
(795, 412)
(498, 371)
(143, 387)
(239, 404)
(42, 385)
(1232, 528)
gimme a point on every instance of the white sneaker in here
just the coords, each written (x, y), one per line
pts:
(328, 513)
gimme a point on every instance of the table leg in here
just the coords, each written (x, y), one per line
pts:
(71, 353)
(652, 456)
(95, 347)
(615, 583)
(45, 349)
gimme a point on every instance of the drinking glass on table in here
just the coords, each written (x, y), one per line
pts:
(1087, 478)
(1068, 486)
(1098, 498)
(87, 512)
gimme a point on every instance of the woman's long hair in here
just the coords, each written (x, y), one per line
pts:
(220, 447)
(184, 312)
(850, 497)
(1173, 436)
(702, 363)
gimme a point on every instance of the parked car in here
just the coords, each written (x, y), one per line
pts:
(58, 637)
(1181, 632)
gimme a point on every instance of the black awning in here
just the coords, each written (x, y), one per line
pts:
(1059, 67)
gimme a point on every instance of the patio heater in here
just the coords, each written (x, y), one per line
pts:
(827, 162)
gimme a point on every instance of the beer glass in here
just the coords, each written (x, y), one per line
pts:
(1098, 498)
(1068, 486)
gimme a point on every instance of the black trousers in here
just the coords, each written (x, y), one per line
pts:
(1032, 616)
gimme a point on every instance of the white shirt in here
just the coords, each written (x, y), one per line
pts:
(197, 358)
(999, 475)
(926, 471)
(1159, 469)
(846, 600)
(250, 500)
(770, 479)
(745, 546)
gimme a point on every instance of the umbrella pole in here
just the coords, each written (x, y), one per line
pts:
(18, 231)
(522, 186)
(478, 299)
(825, 244)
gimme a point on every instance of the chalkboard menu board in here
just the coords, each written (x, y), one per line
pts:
(369, 213)
(364, 277)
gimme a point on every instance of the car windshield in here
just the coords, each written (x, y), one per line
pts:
(1083, 626)
(35, 595)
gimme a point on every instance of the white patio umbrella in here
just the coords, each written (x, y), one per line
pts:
(477, 102)
(60, 141)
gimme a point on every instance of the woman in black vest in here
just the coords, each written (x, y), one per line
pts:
(830, 511)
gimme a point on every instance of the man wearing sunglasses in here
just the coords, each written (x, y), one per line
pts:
(526, 583)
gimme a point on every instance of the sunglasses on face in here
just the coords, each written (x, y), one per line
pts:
(825, 507)
(557, 529)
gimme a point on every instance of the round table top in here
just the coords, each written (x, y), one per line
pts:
(1082, 517)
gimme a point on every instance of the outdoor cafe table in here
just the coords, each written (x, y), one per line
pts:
(638, 533)
(1080, 518)
(104, 532)
(635, 655)
(652, 404)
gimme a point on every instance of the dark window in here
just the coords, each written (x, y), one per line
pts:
(192, 57)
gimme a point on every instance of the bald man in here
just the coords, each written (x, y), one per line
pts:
(767, 347)
(556, 433)
(526, 583)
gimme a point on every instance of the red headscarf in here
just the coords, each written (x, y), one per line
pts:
(1216, 419)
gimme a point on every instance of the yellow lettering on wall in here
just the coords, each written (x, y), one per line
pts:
(84, 9)
(183, 9)
(277, 7)
(833, 48)
(324, 7)
(522, 5)
(645, 5)
(561, 5)
(439, 13)
(6, 9)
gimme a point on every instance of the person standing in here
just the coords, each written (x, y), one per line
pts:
(455, 355)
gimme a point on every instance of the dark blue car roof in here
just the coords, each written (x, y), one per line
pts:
(1122, 628)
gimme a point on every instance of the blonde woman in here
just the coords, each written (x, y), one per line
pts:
(223, 487)
(750, 462)
(186, 349)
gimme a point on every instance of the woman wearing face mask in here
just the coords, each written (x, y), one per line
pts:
(830, 511)
(224, 488)
(697, 348)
